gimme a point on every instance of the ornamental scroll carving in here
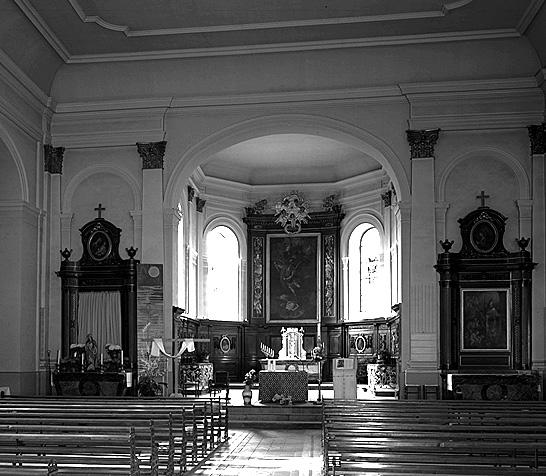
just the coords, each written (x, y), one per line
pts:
(152, 154)
(422, 142)
(329, 275)
(257, 276)
(53, 159)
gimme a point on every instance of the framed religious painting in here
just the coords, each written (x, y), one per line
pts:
(485, 319)
(293, 278)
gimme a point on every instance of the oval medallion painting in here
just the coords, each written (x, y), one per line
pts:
(483, 236)
(99, 245)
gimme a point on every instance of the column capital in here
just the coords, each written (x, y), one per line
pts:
(191, 193)
(53, 159)
(387, 198)
(422, 142)
(152, 154)
(200, 204)
(537, 138)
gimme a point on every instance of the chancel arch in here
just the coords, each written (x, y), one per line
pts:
(321, 126)
(14, 183)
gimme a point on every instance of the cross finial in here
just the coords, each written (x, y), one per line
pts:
(482, 196)
(100, 209)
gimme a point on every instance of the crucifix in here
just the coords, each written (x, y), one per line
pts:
(482, 196)
(100, 209)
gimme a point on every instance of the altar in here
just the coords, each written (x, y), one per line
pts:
(283, 382)
(292, 356)
(87, 384)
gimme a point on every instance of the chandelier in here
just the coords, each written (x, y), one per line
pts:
(291, 212)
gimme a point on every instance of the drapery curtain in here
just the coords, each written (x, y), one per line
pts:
(99, 314)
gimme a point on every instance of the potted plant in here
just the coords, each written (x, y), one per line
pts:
(149, 384)
(247, 390)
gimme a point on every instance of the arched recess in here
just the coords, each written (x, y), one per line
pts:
(84, 174)
(18, 162)
(285, 124)
(512, 162)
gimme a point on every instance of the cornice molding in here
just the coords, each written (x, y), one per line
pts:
(297, 46)
(39, 23)
(126, 29)
(529, 15)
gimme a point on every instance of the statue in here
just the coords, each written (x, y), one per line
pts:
(91, 352)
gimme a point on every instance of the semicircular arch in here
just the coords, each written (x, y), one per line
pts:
(84, 174)
(508, 159)
(282, 124)
(17, 159)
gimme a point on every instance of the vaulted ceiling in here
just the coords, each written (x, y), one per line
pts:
(92, 30)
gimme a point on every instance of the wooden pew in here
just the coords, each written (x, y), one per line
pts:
(181, 428)
(434, 437)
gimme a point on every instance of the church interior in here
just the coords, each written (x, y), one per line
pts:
(293, 196)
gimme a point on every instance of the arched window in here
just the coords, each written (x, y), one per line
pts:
(222, 292)
(369, 293)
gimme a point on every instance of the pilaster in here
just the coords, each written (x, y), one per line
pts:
(152, 154)
(423, 302)
(537, 137)
(53, 167)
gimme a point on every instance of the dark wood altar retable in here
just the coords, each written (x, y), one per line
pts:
(485, 308)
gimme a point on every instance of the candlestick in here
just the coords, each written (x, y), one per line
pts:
(129, 378)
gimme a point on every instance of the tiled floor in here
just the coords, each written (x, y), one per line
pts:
(255, 452)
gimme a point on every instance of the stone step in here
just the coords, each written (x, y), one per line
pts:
(290, 416)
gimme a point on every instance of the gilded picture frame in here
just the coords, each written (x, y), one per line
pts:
(293, 278)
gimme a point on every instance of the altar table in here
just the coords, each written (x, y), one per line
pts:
(283, 382)
(85, 384)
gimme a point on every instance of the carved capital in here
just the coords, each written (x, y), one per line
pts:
(152, 154)
(191, 193)
(422, 142)
(200, 204)
(537, 138)
(53, 159)
(387, 198)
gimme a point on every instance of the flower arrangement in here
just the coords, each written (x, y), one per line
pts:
(112, 347)
(282, 399)
(318, 352)
(250, 377)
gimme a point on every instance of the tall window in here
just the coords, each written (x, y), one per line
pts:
(222, 294)
(368, 290)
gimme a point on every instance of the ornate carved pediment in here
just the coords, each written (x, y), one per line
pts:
(482, 232)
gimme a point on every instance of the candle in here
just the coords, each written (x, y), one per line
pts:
(58, 357)
(82, 362)
(122, 358)
(101, 359)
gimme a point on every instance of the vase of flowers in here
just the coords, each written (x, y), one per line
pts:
(247, 390)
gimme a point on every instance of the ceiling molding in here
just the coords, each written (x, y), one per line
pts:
(529, 15)
(296, 46)
(523, 82)
(441, 12)
(43, 28)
